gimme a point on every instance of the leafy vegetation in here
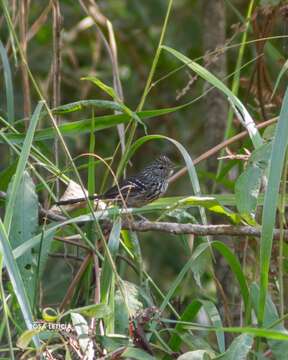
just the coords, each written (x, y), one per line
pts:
(198, 274)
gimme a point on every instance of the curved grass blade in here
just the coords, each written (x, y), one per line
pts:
(241, 111)
(281, 73)
(111, 92)
(233, 263)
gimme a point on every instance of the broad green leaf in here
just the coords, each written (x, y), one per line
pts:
(261, 156)
(24, 225)
(247, 189)
(214, 316)
(122, 313)
(211, 204)
(239, 348)
(107, 271)
(279, 148)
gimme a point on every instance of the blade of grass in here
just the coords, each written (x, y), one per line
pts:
(236, 78)
(279, 148)
(5, 311)
(244, 117)
(16, 280)
(8, 84)
(84, 126)
(21, 166)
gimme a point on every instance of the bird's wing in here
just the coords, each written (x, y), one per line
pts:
(130, 187)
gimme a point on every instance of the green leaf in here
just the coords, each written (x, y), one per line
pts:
(16, 280)
(279, 148)
(107, 89)
(248, 184)
(197, 355)
(107, 271)
(84, 126)
(124, 309)
(212, 204)
(26, 337)
(188, 315)
(24, 225)
(110, 91)
(247, 189)
(82, 104)
(239, 348)
(97, 311)
(8, 84)
(22, 162)
(281, 73)
(215, 319)
(6, 175)
(137, 354)
(44, 248)
(278, 348)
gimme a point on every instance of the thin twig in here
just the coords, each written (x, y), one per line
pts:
(75, 281)
(219, 147)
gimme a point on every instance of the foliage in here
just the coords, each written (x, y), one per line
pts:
(77, 281)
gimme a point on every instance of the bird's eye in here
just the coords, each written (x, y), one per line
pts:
(161, 167)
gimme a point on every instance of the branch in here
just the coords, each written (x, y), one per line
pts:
(196, 229)
(175, 228)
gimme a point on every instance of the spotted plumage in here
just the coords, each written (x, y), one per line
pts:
(137, 190)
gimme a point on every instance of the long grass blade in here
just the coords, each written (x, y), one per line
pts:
(279, 147)
(21, 167)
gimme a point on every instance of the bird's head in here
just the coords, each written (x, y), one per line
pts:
(162, 167)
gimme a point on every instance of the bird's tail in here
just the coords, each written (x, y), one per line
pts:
(78, 200)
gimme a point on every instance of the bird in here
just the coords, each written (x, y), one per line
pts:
(136, 190)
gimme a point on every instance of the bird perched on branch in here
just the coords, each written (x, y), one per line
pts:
(137, 190)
